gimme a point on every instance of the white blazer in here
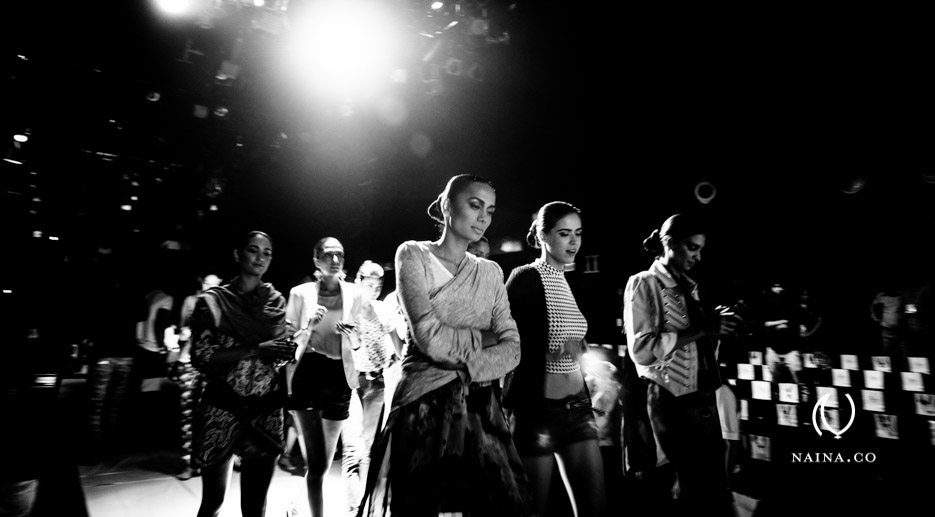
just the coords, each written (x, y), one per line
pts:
(303, 300)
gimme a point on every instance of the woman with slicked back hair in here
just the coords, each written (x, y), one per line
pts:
(547, 392)
(672, 342)
(239, 342)
(446, 447)
(325, 312)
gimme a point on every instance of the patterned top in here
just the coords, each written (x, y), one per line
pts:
(565, 319)
(375, 350)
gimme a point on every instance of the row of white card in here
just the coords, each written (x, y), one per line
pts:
(873, 400)
(881, 363)
(789, 392)
(873, 379)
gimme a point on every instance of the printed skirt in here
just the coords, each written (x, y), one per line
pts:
(449, 451)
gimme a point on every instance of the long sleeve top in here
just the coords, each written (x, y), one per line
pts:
(446, 320)
(654, 312)
(529, 305)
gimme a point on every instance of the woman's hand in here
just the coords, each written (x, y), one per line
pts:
(725, 324)
(345, 328)
(317, 316)
(573, 347)
(276, 349)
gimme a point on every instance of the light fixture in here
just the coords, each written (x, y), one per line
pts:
(21, 138)
(705, 192)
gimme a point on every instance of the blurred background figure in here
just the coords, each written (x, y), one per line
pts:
(603, 381)
(375, 325)
(479, 248)
(151, 333)
(186, 377)
(110, 340)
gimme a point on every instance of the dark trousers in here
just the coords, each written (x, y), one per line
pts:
(689, 432)
(109, 386)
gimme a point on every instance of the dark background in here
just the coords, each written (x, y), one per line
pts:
(620, 110)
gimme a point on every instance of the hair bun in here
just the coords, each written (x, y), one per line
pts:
(531, 238)
(653, 243)
(435, 210)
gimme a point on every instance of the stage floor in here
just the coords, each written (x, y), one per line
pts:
(137, 485)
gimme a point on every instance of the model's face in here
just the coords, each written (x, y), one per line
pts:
(372, 287)
(255, 257)
(563, 242)
(330, 260)
(686, 253)
(471, 212)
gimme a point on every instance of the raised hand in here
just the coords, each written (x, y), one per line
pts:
(317, 316)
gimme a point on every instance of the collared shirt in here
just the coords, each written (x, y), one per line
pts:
(654, 313)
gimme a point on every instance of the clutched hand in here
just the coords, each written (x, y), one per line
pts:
(725, 324)
(317, 316)
(343, 327)
(282, 348)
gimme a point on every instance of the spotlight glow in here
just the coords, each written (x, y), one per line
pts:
(345, 48)
(437, 5)
(174, 7)
(21, 138)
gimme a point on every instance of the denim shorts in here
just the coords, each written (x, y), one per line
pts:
(553, 425)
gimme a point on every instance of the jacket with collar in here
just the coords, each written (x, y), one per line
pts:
(654, 313)
(303, 301)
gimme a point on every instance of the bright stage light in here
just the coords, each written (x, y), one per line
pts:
(345, 48)
(437, 5)
(174, 7)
